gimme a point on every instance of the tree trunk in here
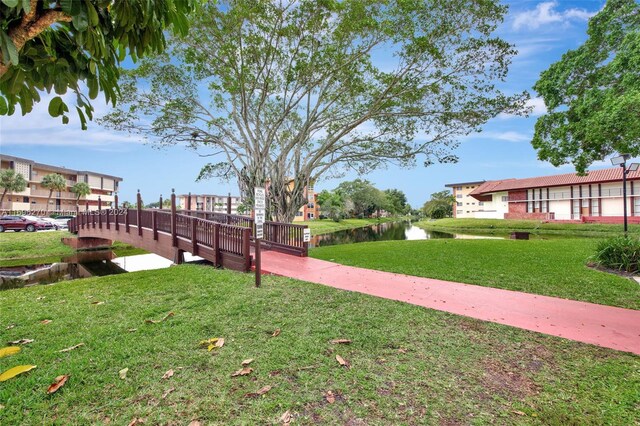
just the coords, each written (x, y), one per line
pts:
(2, 198)
(49, 199)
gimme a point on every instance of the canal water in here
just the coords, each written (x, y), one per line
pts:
(386, 232)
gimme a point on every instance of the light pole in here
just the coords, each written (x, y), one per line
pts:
(621, 161)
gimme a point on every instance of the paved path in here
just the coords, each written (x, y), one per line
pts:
(606, 326)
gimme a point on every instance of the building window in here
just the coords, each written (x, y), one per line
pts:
(505, 198)
(543, 207)
(459, 188)
(576, 209)
(636, 206)
(299, 214)
(459, 196)
(459, 204)
(481, 203)
(25, 199)
(458, 211)
(595, 207)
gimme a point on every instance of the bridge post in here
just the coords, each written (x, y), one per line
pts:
(174, 230)
(246, 248)
(108, 218)
(194, 239)
(228, 207)
(86, 206)
(154, 224)
(189, 202)
(116, 214)
(139, 213)
(99, 212)
(115, 202)
(216, 244)
(126, 220)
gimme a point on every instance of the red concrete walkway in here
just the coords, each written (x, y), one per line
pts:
(606, 326)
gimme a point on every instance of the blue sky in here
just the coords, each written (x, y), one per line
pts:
(541, 32)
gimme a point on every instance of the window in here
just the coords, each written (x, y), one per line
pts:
(459, 196)
(505, 198)
(25, 199)
(458, 211)
(310, 215)
(585, 202)
(636, 206)
(595, 207)
(299, 214)
(576, 209)
(543, 206)
(459, 188)
(459, 204)
(481, 203)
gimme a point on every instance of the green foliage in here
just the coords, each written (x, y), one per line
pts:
(332, 205)
(53, 182)
(396, 202)
(10, 181)
(81, 189)
(593, 93)
(296, 88)
(440, 205)
(364, 198)
(61, 44)
(621, 253)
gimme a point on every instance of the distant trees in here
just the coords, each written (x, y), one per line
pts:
(10, 181)
(166, 204)
(359, 198)
(53, 182)
(440, 205)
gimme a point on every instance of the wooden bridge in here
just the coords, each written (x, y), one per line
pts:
(225, 240)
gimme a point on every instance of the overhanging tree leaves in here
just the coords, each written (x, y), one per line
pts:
(55, 45)
(593, 93)
(296, 89)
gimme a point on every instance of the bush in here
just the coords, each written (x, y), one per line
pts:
(619, 253)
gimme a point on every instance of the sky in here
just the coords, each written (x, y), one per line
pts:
(540, 30)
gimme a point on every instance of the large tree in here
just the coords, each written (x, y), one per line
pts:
(440, 205)
(593, 93)
(58, 44)
(365, 198)
(10, 181)
(53, 182)
(299, 88)
(81, 189)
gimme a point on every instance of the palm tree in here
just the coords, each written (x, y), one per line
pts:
(53, 182)
(10, 181)
(81, 189)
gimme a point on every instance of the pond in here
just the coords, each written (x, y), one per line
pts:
(386, 232)
(82, 264)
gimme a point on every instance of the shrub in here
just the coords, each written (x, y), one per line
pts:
(619, 253)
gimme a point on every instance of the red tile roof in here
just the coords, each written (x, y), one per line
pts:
(613, 174)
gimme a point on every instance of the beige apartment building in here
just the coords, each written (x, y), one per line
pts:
(209, 202)
(465, 205)
(34, 197)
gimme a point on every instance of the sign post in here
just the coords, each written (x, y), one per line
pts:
(259, 212)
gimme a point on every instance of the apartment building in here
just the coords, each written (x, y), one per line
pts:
(34, 197)
(311, 210)
(210, 202)
(465, 205)
(596, 197)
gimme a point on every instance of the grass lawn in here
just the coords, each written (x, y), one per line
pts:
(326, 226)
(409, 365)
(30, 248)
(500, 226)
(548, 267)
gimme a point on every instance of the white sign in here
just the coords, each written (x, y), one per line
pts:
(259, 216)
(260, 198)
(307, 235)
(259, 233)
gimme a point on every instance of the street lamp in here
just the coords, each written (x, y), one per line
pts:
(621, 161)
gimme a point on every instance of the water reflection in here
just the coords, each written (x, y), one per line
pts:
(386, 232)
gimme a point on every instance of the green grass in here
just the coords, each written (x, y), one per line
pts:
(409, 365)
(22, 248)
(547, 267)
(500, 226)
(326, 226)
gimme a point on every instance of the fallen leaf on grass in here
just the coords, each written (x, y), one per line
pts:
(342, 361)
(71, 347)
(330, 397)
(247, 362)
(194, 423)
(57, 383)
(9, 350)
(148, 321)
(168, 374)
(13, 372)
(242, 372)
(97, 303)
(10, 326)
(260, 391)
(132, 330)
(40, 298)
(123, 374)
(286, 418)
(137, 421)
(340, 341)
(520, 413)
(45, 322)
(20, 342)
(214, 342)
(402, 351)
(167, 392)
(276, 333)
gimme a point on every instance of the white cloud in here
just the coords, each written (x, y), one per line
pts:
(545, 14)
(509, 136)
